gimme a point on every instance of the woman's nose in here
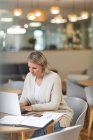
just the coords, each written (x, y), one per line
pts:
(30, 69)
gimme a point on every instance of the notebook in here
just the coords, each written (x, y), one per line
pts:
(9, 103)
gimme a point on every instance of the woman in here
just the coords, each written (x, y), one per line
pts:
(42, 90)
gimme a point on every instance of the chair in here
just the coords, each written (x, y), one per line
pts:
(74, 90)
(89, 98)
(77, 77)
(15, 84)
(70, 133)
(79, 107)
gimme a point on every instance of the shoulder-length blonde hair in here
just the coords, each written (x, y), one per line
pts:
(38, 58)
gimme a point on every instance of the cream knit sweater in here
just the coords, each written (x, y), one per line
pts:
(50, 96)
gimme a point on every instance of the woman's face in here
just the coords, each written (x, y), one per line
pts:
(35, 69)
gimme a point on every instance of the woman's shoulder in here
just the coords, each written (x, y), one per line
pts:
(53, 74)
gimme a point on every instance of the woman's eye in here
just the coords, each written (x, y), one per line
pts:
(34, 68)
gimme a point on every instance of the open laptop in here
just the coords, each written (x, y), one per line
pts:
(9, 103)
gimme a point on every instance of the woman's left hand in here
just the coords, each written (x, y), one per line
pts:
(28, 108)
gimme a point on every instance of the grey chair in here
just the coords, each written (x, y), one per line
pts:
(70, 133)
(79, 107)
(15, 84)
(89, 98)
(77, 77)
(75, 90)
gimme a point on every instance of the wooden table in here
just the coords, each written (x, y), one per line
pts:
(85, 83)
(14, 131)
(23, 130)
(10, 89)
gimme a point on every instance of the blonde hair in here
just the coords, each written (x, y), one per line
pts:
(38, 58)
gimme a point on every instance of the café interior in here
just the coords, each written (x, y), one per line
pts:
(63, 31)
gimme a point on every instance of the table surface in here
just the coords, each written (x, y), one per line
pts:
(8, 129)
(10, 89)
(85, 82)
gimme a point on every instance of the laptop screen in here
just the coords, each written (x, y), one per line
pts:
(9, 103)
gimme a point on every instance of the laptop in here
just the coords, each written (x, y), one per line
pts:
(9, 103)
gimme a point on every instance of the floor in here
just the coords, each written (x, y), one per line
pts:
(83, 134)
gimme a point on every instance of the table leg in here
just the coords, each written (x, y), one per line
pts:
(22, 136)
(90, 121)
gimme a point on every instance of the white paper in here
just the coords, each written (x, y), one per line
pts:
(30, 121)
(53, 115)
(39, 122)
(11, 119)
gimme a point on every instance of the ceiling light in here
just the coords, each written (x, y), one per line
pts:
(35, 24)
(58, 19)
(6, 19)
(17, 12)
(40, 15)
(84, 14)
(37, 15)
(31, 16)
(26, 26)
(38, 12)
(55, 10)
(73, 17)
(16, 30)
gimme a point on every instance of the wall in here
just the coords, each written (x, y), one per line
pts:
(64, 61)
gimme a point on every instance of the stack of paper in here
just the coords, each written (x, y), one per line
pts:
(31, 121)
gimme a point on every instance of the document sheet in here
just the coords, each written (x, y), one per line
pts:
(31, 121)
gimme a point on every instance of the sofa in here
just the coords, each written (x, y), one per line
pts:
(13, 72)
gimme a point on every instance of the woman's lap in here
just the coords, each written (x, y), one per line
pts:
(41, 132)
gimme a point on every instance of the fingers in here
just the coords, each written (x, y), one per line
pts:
(28, 108)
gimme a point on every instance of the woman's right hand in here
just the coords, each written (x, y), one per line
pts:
(22, 107)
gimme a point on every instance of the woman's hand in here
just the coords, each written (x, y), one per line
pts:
(24, 107)
(28, 108)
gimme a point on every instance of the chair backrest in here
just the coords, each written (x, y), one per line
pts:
(15, 84)
(70, 133)
(74, 90)
(79, 107)
(89, 95)
(77, 77)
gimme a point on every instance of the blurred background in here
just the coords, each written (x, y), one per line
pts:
(45, 24)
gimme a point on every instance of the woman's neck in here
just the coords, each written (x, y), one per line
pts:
(39, 79)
